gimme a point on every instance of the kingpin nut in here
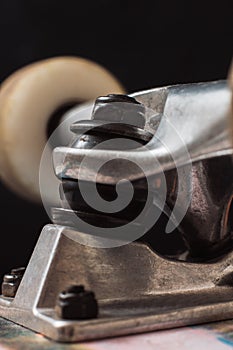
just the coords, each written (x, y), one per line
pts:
(119, 109)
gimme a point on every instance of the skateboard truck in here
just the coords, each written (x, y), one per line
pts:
(179, 161)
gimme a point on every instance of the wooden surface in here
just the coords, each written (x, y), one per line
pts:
(215, 336)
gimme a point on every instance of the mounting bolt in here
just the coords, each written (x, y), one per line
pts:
(75, 303)
(12, 281)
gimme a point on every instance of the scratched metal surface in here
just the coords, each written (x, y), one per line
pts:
(215, 336)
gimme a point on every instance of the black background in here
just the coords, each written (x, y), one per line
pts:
(144, 43)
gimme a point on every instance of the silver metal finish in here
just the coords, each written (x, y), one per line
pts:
(137, 291)
(198, 112)
(190, 128)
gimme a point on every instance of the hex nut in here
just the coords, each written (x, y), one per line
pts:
(11, 282)
(75, 303)
(119, 109)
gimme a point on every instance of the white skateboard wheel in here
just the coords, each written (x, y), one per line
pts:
(230, 80)
(28, 98)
